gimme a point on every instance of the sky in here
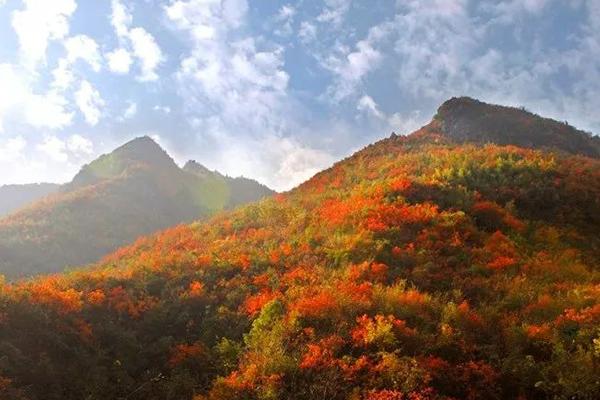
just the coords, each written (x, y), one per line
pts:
(274, 90)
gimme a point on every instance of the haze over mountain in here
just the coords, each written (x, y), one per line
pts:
(13, 197)
(135, 190)
(421, 267)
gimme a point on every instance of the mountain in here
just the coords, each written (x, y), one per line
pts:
(464, 119)
(13, 197)
(238, 190)
(135, 190)
(421, 267)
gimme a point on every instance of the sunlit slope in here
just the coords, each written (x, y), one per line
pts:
(418, 268)
(135, 190)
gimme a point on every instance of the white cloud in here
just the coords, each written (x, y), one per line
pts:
(119, 61)
(11, 149)
(47, 111)
(148, 53)
(90, 102)
(130, 111)
(351, 67)
(507, 12)
(134, 42)
(79, 47)
(63, 75)
(54, 148)
(79, 145)
(285, 16)
(38, 23)
(120, 18)
(19, 103)
(367, 104)
(73, 148)
(295, 162)
(164, 109)
(334, 11)
(307, 32)
(82, 47)
(236, 91)
(286, 12)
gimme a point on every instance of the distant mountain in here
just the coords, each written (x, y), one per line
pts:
(238, 190)
(464, 119)
(13, 197)
(135, 190)
(419, 268)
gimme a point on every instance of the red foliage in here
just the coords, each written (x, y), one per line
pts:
(321, 355)
(391, 215)
(244, 261)
(184, 352)
(195, 290)
(501, 262)
(400, 184)
(255, 303)
(317, 305)
(539, 331)
(373, 272)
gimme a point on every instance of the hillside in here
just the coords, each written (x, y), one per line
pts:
(135, 190)
(418, 268)
(13, 197)
(464, 119)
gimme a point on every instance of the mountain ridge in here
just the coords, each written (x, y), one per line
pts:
(134, 190)
(464, 119)
(14, 197)
(418, 268)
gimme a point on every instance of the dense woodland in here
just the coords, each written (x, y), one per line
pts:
(416, 269)
(135, 190)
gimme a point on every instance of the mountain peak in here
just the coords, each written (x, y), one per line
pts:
(196, 168)
(141, 151)
(464, 119)
(144, 149)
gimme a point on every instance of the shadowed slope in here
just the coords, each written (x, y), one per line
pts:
(468, 120)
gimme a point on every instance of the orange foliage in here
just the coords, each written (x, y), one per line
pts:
(196, 289)
(412, 297)
(501, 262)
(121, 302)
(336, 212)
(64, 301)
(400, 184)
(244, 261)
(538, 331)
(253, 304)
(391, 215)
(96, 297)
(318, 305)
(321, 355)
(184, 352)
(374, 272)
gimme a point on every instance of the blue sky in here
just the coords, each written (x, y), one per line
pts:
(274, 90)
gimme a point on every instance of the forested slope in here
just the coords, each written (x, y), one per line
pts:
(418, 268)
